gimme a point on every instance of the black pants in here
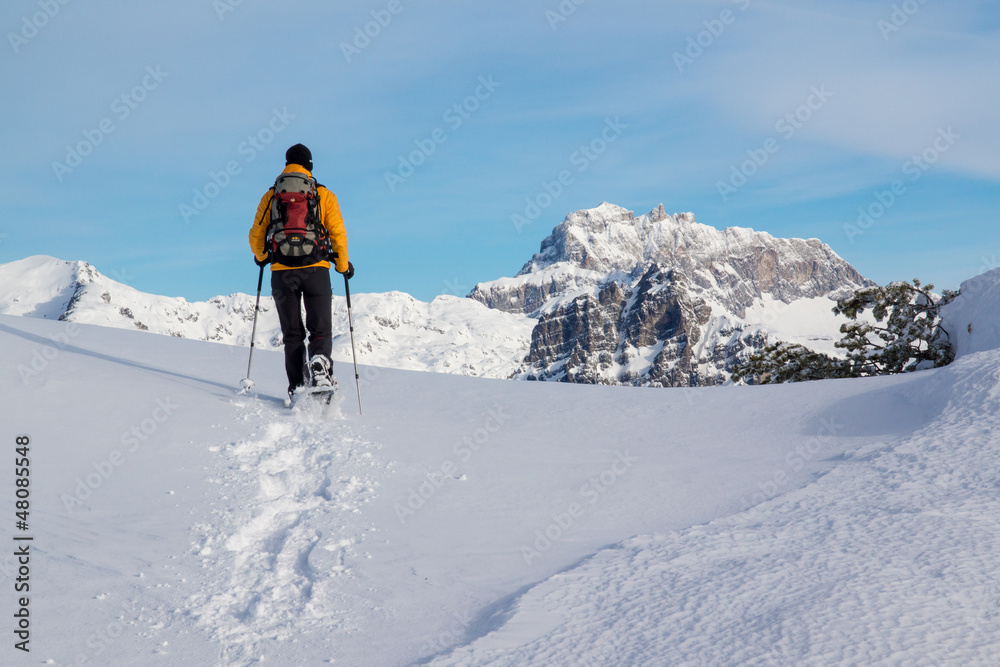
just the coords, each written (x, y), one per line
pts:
(290, 289)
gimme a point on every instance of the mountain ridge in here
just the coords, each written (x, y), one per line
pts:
(610, 298)
(450, 334)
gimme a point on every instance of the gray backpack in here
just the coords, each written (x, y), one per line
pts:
(296, 235)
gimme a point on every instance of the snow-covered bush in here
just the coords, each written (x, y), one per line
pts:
(906, 336)
(789, 362)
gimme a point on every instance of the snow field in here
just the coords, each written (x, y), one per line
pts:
(840, 522)
(887, 559)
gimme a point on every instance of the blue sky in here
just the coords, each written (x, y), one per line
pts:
(809, 113)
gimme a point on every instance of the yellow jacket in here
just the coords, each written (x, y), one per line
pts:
(329, 215)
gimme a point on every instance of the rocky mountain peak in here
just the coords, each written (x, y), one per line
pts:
(738, 266)
(657, 299)
(607, 238)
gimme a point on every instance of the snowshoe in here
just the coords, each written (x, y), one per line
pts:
(320, 375)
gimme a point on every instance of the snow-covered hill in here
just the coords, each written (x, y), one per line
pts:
(469, 521)
(449, 334)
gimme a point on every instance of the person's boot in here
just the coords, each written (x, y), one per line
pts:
(320, 369)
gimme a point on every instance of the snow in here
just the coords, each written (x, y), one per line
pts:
(36, 287)
(639, 361)
(888, 559)
(468, 521)
(971, 319)
(807, 322)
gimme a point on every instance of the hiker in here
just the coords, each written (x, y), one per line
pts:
(299, 230)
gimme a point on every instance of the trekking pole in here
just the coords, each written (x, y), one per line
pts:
(247, 384)
(350, 321)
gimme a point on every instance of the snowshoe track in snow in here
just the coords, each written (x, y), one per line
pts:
(279, 562)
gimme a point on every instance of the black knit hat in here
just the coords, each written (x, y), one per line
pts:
(299, 154)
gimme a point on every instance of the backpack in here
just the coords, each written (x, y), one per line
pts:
(296, 235)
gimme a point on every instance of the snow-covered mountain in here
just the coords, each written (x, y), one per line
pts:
(611, 298)
(450, 334)
(661, 300)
